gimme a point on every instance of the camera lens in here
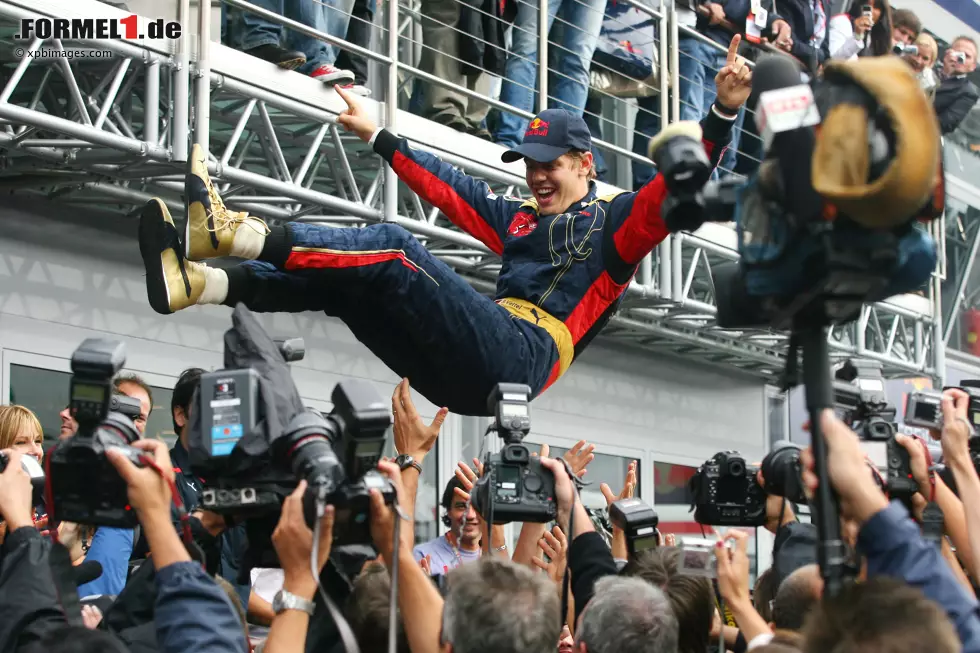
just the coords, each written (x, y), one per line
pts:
(736, 468)
(313, 459)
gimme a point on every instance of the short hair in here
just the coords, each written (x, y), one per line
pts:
(497, 606)
(765, 593)
(906, 18)
(579, 155)
(881, 614)
(183, 394)
(15, 418)
(367, 611)
(691, 597)
(797, 596)
(627, 614)
(968, 39)
(77, 639)
(135, 379)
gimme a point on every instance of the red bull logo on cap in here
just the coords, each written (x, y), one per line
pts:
(537, 127)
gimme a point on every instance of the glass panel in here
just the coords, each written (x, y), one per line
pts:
(606, 468)
(670, 483)
(427, 509)
(776, 408)
(46, 393)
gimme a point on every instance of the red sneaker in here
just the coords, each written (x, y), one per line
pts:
(332, 75)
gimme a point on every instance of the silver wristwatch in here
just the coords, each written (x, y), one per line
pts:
(286, 601)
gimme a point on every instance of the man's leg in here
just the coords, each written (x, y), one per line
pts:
(319, 55)
(359, 32)
(440, 50)
(578, 30)
(261, 38)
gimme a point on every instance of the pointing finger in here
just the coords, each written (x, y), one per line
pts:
(345, 96)
(733, 49)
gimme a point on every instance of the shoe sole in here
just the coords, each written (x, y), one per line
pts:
(291, 64)
(151, 231)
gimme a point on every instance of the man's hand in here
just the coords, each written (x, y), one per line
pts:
(579, 457)
(782, 35)
(15, 493)
(354, 118)
(917, 458)
(383, 516)
(293, 541)
(212, 522)
(555, 546)
(148, 489)
(717, 13)
(860, 498)
(412, 436)
(957, 430)
(564, 493)
(734, 81)
(779, 511)
(628, 487)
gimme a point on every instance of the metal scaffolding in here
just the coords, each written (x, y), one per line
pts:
(113, 131)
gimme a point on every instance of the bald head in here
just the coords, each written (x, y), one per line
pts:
(796, 597)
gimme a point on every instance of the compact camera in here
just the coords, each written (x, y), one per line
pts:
(959, 57)
(515, 487)
(905, 50)
(923, 409)
(85, 486)
(639, 523)
(725, 492)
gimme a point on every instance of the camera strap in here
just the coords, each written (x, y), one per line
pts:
(59, 560)
(932, 523)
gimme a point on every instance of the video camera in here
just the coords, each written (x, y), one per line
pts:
(253, 440)
(725, 492)
(85, 487)
(515, 487)
(827, 223)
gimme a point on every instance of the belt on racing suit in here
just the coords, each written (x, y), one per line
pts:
(525, 310)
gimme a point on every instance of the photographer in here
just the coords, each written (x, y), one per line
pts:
(956, 94)
(890, 541)
(795, 542)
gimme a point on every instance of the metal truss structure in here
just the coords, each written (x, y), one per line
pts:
(113, 131)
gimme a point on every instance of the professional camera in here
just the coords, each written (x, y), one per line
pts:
(252, 439)
(782, 472)
(33, 469)
(860, 401)
(85, 487)
(639, 523)
(901, 484)
(515, 487)
(817, 237)
(725, 492)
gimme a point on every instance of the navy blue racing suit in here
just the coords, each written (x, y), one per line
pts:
(562, 278)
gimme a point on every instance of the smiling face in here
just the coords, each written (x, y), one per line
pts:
(558, 184)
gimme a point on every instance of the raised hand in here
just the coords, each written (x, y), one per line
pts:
(628, 487)
(734, 81)
(555, 546)
(355, 119)
(579, 457)
(426, 564)
(413, 437)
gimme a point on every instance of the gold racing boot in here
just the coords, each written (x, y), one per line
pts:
(213, 230)
(172, 282)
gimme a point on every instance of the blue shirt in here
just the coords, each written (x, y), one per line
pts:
(442, 556)
(112, 548)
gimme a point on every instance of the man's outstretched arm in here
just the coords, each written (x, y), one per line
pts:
(467, 202)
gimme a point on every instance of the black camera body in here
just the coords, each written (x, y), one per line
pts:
(725, 492)
(515, 487)
(901, 484)
(85, 486)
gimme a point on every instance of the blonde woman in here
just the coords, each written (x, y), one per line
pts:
(21, 431)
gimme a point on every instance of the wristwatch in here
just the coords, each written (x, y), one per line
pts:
(287, 601)
(404, 461)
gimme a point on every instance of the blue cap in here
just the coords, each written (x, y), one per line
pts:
(550, 134)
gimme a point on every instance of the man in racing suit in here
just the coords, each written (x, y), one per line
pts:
(567, 258)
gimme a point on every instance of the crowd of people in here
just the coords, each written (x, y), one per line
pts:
(467, 591)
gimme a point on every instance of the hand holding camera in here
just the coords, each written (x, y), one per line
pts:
(383, 515)
(293, 541)
(148, 488)
(15, 493)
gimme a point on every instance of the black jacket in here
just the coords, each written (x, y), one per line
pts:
(29, 607)
(954, 99)
(799, 15)
(589, 559)
(482, 25)
(795, 547)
